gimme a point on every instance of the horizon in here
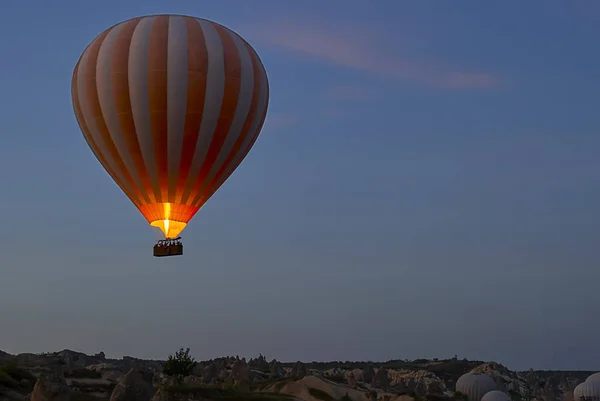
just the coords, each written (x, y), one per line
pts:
(248, 358)
(426, 183)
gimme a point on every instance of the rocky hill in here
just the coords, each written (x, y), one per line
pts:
(74, 376)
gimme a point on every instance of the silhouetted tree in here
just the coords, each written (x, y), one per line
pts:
(179, 365)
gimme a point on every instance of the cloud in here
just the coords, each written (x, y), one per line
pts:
(357, 51)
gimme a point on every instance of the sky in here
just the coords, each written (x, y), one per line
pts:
(427, 183)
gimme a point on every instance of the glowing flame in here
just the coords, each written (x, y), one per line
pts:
(170, 228)
(167, 207)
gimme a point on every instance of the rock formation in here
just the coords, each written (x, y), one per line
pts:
(51, 386)
(299, 370)
(351, 379)
(380, 379)
(275, 369)
(39, 375)
(135, 386)
(367, 374)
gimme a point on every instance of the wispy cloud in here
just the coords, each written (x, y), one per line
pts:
(354, 50)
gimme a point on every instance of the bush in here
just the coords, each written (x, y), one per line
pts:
(278, 383)
(77, 396)
(83, 374)
(459, 396)
(436, 397)
(6, 380)
(320, 394)
(338, 379)
(215, 392)
(13, 377)
(180, 365)
(17, 373)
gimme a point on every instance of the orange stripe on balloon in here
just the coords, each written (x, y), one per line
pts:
(85, 130)
(250, 119)
(256, 133)
(91, 95)
(120, 89)
(231, 93)
(157, 98)
(228, 173)
(197, 75)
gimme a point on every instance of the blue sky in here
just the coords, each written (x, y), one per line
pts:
(426, 184)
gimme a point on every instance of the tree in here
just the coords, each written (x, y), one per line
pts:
(459, 396)
(180, 365)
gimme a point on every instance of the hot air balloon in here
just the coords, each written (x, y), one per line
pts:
(588, 390)
(475, 385)
(495, 395)
(170, 105)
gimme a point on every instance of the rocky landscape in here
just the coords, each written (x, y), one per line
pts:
(74, 376)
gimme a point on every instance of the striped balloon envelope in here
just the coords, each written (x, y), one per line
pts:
(170, 105)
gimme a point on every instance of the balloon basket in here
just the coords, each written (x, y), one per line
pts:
(168, 247)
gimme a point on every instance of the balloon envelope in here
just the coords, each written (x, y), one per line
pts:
(170, 105)
(589, 390)
(495, 395)
(475, 385)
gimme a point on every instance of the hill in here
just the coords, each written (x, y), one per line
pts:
(69, 375)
